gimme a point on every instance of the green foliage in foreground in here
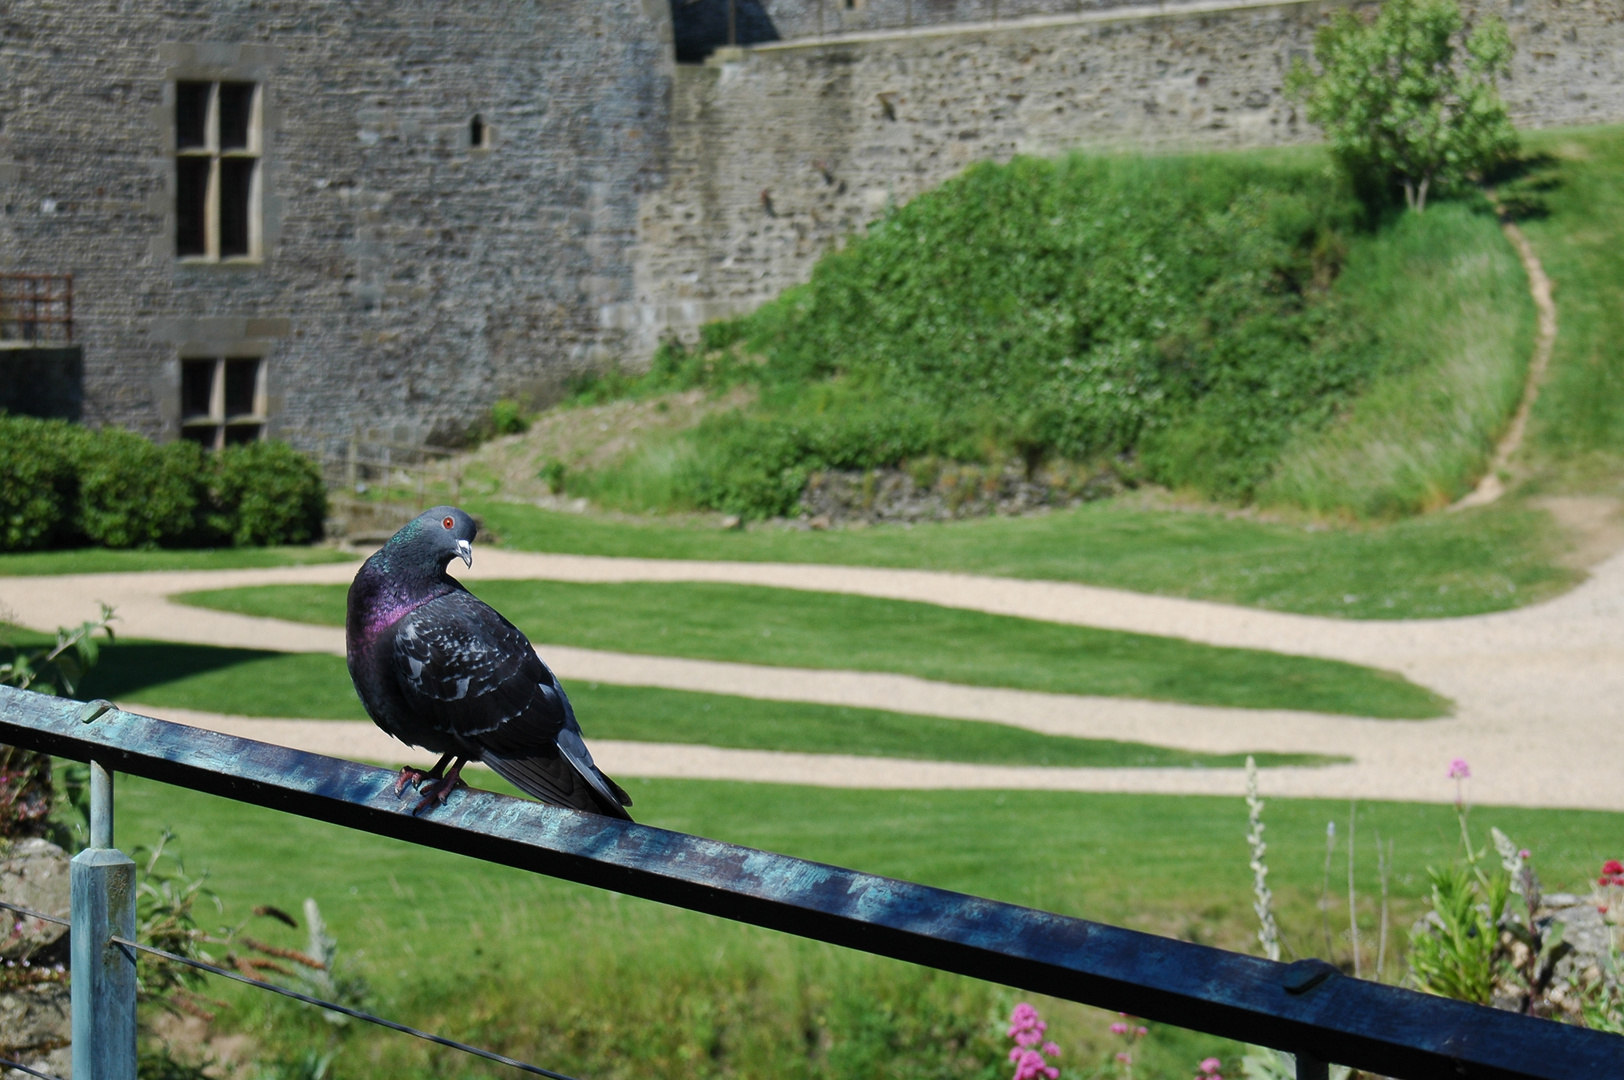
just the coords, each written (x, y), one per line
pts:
(316, 686)
(62, 485)
(605, 986)
(1433, 567)
(1399, 107)
(752, 624)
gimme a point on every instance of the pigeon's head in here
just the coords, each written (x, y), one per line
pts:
(438, 535)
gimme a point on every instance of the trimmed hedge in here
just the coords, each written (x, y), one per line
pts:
(63, 486)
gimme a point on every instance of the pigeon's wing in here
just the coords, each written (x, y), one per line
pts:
(467, 672)
(565, 773)
(473, 675)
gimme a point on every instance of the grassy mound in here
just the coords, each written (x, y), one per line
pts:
(1187, 320)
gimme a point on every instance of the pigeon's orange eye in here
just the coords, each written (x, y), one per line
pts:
(448, 522)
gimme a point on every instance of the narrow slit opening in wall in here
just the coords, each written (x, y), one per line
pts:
(478, 133)
(192, 115)
(242, 387)
(196, 389)
(236, 116)
(236, 205)
(191, 205)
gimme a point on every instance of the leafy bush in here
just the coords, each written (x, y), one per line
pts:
(508, 418)
(62, 485)
(266, 493)
(136, 493)
(39, 482)
(1397, 104)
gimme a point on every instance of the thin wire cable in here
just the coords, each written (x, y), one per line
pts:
(490, 1055)
(7, 1063)
(34, 914)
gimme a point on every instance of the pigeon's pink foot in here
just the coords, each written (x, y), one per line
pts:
(435, 793)
(415, 777)
(410, 776)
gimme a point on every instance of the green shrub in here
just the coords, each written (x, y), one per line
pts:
(62, 485)
(1400, 106)
(39, 481)
(266, 493)
(137, 493)
(508, 418)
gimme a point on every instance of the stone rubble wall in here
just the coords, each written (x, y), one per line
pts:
(817, 18)
(780, 152)
(410, 279)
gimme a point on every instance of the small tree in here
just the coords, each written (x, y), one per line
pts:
(1400, 106)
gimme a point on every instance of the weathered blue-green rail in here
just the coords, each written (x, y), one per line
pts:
(1306, 1008)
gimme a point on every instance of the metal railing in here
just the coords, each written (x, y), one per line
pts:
(1308, 1008)
(36, 309)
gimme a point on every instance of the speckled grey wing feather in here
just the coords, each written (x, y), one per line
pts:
(474, 676)
(468, 672)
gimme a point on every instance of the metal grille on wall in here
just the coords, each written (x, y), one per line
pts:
(36, 309)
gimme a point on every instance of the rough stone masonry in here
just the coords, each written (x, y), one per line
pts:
(457, 203)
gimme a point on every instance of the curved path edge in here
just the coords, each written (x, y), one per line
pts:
(633, 760)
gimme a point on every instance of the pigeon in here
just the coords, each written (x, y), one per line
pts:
(437, 667)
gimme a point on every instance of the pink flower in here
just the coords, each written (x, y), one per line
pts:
(1459, 770)
(1210, 1065)
(1141, 1031)
(1051, 1049)
(1125, 1057)
(1119, 1028)
(1524, 853)
(1612, 866)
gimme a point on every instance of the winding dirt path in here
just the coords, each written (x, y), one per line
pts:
(1491, 487)
(1539, 691)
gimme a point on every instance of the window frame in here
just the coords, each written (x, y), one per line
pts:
(217, 418)
(211, 151)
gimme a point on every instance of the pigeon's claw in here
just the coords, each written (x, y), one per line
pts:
(416, 777)
(436, 792)
(410, 776)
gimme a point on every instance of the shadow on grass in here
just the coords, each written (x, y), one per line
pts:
(129, 667)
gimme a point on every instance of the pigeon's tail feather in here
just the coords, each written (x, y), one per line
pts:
(556, 780)
(575, 752)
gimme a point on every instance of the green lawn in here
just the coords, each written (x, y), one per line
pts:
(605, 986)
(752, 624)
(1435, 566)
(1576, 224)
(111, 561)
(316, 686)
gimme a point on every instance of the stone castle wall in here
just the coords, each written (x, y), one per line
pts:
(780, 151)
(408, 278)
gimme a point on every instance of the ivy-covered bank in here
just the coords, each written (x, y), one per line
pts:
(1191, 321)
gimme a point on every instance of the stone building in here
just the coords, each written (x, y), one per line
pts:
(311, 215)
(308, 217)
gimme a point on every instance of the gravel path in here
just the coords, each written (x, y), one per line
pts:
(1539, 691)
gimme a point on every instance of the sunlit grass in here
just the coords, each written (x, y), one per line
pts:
(317, 686)
(112, 561)
(752, 624)
(1452, 308)
(595, 984)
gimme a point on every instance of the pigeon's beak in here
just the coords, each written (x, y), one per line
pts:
(465, 552)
